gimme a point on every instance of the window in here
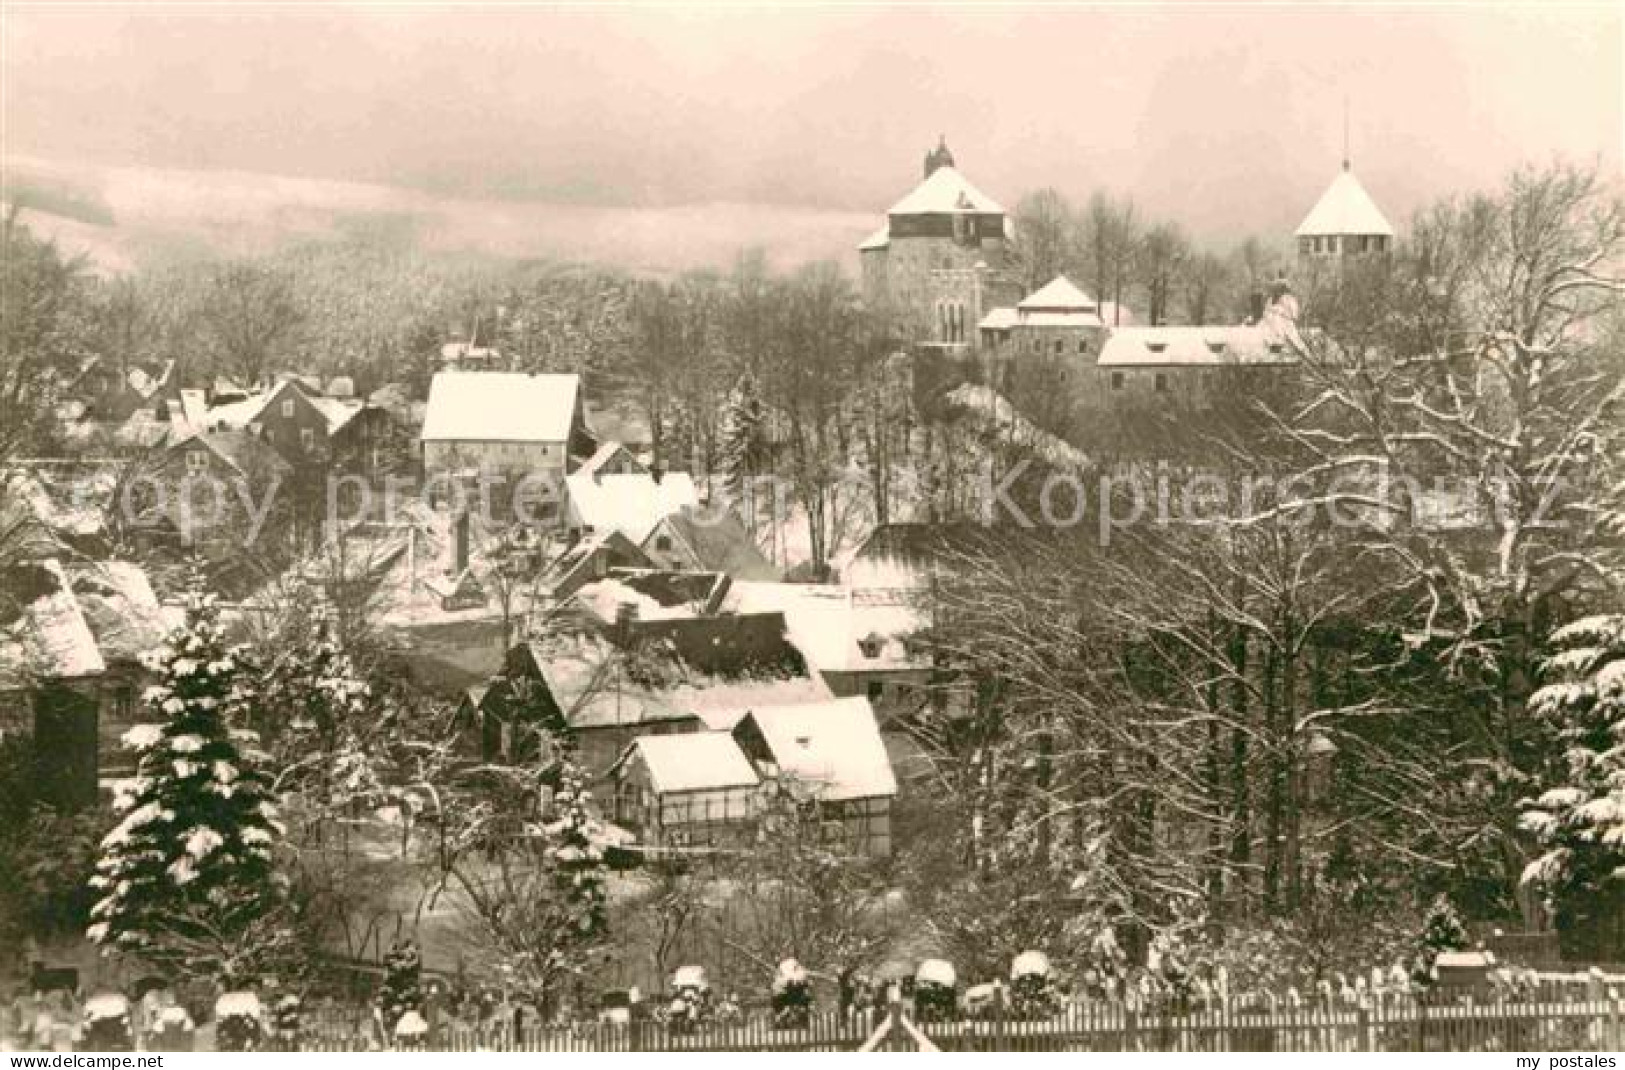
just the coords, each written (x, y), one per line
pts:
(1306, 245)
(1083, 345)
(1331, 244)
(1117, 380)
(663, 543)
(287, 409)
(1162, 382)
(307, 438)
(196, 460)
(1060, 346)
(876, 690)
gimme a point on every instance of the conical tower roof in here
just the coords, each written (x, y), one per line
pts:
(1345, 208)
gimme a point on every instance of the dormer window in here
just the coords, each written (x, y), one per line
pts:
(1216, 348)
(1277, 347)
(869, 646)
(1156, 347)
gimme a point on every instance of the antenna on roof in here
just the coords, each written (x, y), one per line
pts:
(1345, 132)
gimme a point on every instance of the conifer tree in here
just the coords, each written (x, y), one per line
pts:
(187, 878)
(402, 990)
(1580, 822)
(1442, 931)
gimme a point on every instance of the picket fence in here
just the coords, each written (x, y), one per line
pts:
(1408, 1025)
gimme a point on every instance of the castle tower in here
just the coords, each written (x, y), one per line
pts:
(940, 257)
(1345, 223)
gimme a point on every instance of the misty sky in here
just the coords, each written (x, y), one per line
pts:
(1227, 118)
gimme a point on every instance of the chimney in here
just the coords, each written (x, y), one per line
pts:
(626, 615)
(1256, 304)
(461, 563)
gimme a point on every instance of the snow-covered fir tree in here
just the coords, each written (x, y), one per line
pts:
(187, 877)
(402, 990)
(743, 434)
(579, 871)
(1442, 930)
(1580, 822)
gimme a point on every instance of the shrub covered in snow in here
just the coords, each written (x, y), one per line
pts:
(239, 1022)
(792, 996)
(1033, 992)
(935, 991)
(402, 990)
(107, 1023)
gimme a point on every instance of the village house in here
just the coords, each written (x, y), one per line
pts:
(613, 491)
(828, 755)
(708, 539)
(1058, 319)
(696, 790)
(610, 685)
(507, 423)
(335, 434)
(209, 485)
(70, 671)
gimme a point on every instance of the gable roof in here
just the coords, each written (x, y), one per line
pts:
(716, 541)
(945, 190)
(470, 406)
(243, 451)
(1153, 347)
(1345, 208)
(832, 749)
(567, 573)
(119, 605)
(694, 761)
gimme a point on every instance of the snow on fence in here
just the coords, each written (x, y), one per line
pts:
(1589, 1025)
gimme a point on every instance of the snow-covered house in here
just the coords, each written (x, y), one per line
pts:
(70, 678)
(829, 754)
(610, 685)
(613, 491)
(203, 481)
(314, 429)
(685, 791)
(504, 422)
(708, 540)
(591, 558)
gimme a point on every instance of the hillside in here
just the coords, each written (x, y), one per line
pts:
(121, 216)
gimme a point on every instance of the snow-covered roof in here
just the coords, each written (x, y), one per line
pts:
(999, 319)
(1155, 347)
(833, 749)
(691, 666)
(629, 503)
(880, 239)
(118, 602)
(830, 630)
(945, 190)
(714, 539)
(238, 1005)
(469, 406)
(1058, 295)
(50, 638)
(106, 1005)
(694, 761)
(234, 415)
(1345, 208)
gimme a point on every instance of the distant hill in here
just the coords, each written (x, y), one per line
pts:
(123, 216)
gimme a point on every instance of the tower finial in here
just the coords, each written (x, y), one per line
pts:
(1345, 132)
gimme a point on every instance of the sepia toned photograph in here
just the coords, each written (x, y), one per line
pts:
(828, 527)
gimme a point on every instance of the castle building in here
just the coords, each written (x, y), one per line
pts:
(939, 261)
(1345, 224)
